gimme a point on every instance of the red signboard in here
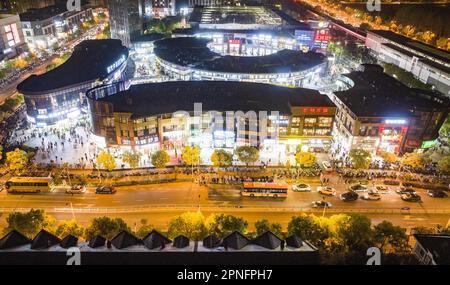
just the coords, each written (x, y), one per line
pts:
(322, 35)
(315, 110)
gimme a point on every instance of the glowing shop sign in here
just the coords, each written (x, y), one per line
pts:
(395, 122)
(116, 64)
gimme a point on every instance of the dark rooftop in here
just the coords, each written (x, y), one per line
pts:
(88, 62)
(39, 14)
(168, 97)
(193, 52)
(416, 45)
(376, 94)
(437, 245)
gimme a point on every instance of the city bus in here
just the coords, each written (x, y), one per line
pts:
(29, 184)
(265, 189)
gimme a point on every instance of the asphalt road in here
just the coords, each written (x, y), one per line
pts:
(158, 203)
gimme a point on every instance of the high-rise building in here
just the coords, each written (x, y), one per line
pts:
(126, 19)
(20, 6)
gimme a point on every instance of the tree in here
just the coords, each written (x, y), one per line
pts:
(191, 156)
(132, 158)
(221, 157)
(360, 158)
(305, 227)
(105, 227)
(354, 231)
(144, 229)
(29, 223)
(444, 164)
(305, 159)
(247, 154)
(390, 238)
(264, 225)
(190, 224)
(16, 160)
(1, 152)
(412, 159)
(70, 227)
(106, 160)
(222, 225)
(160, 159)
(389, 157)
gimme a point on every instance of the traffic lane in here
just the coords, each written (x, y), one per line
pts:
(177, 193)
(231, 195)
(189, 194)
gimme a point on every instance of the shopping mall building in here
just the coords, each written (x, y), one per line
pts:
(59, 93)
(211, 114)
(194, 58)
(378, 113)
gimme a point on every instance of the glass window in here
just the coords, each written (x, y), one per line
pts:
(325, 121)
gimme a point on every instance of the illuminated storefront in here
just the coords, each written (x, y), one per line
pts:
(59, 94)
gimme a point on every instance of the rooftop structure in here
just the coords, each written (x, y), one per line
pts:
(191, 58)
(427, 63)
(155, 248)
(59, 93)
(374, 93)
(168, 97)
(432, 249)
(379, 113)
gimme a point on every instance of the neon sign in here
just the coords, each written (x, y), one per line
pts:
(116, 64)
(396, 122)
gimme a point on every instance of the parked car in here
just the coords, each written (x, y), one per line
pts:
(358, 188)
(411, 197)
(76, 189)
(326, 190)
(327, 166)
(382, 189)
(437, 193)
(349, 196)
(301, 187)
(105, 190)
(403, 190)
(372, 195)
(321, 204)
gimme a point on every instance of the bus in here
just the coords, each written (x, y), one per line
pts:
(29, 184)
(265, 189)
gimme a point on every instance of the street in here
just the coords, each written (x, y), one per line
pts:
(159, 202)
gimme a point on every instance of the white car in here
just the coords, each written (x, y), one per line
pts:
(327, 166)
(372, 196)
(301, 187)
(326, 190)
(382, 189)
(76, 189)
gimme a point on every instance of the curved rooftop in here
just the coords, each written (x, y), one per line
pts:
(193, 52)
(89, 61)
(167, 97)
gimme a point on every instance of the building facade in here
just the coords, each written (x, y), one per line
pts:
(11, 36)
(45, 27)
(167, 115)
(427, 63)
(189, 58)
(59, 93)
(378, 113)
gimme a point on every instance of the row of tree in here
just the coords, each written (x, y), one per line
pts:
(423, 23)
(342, 238)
